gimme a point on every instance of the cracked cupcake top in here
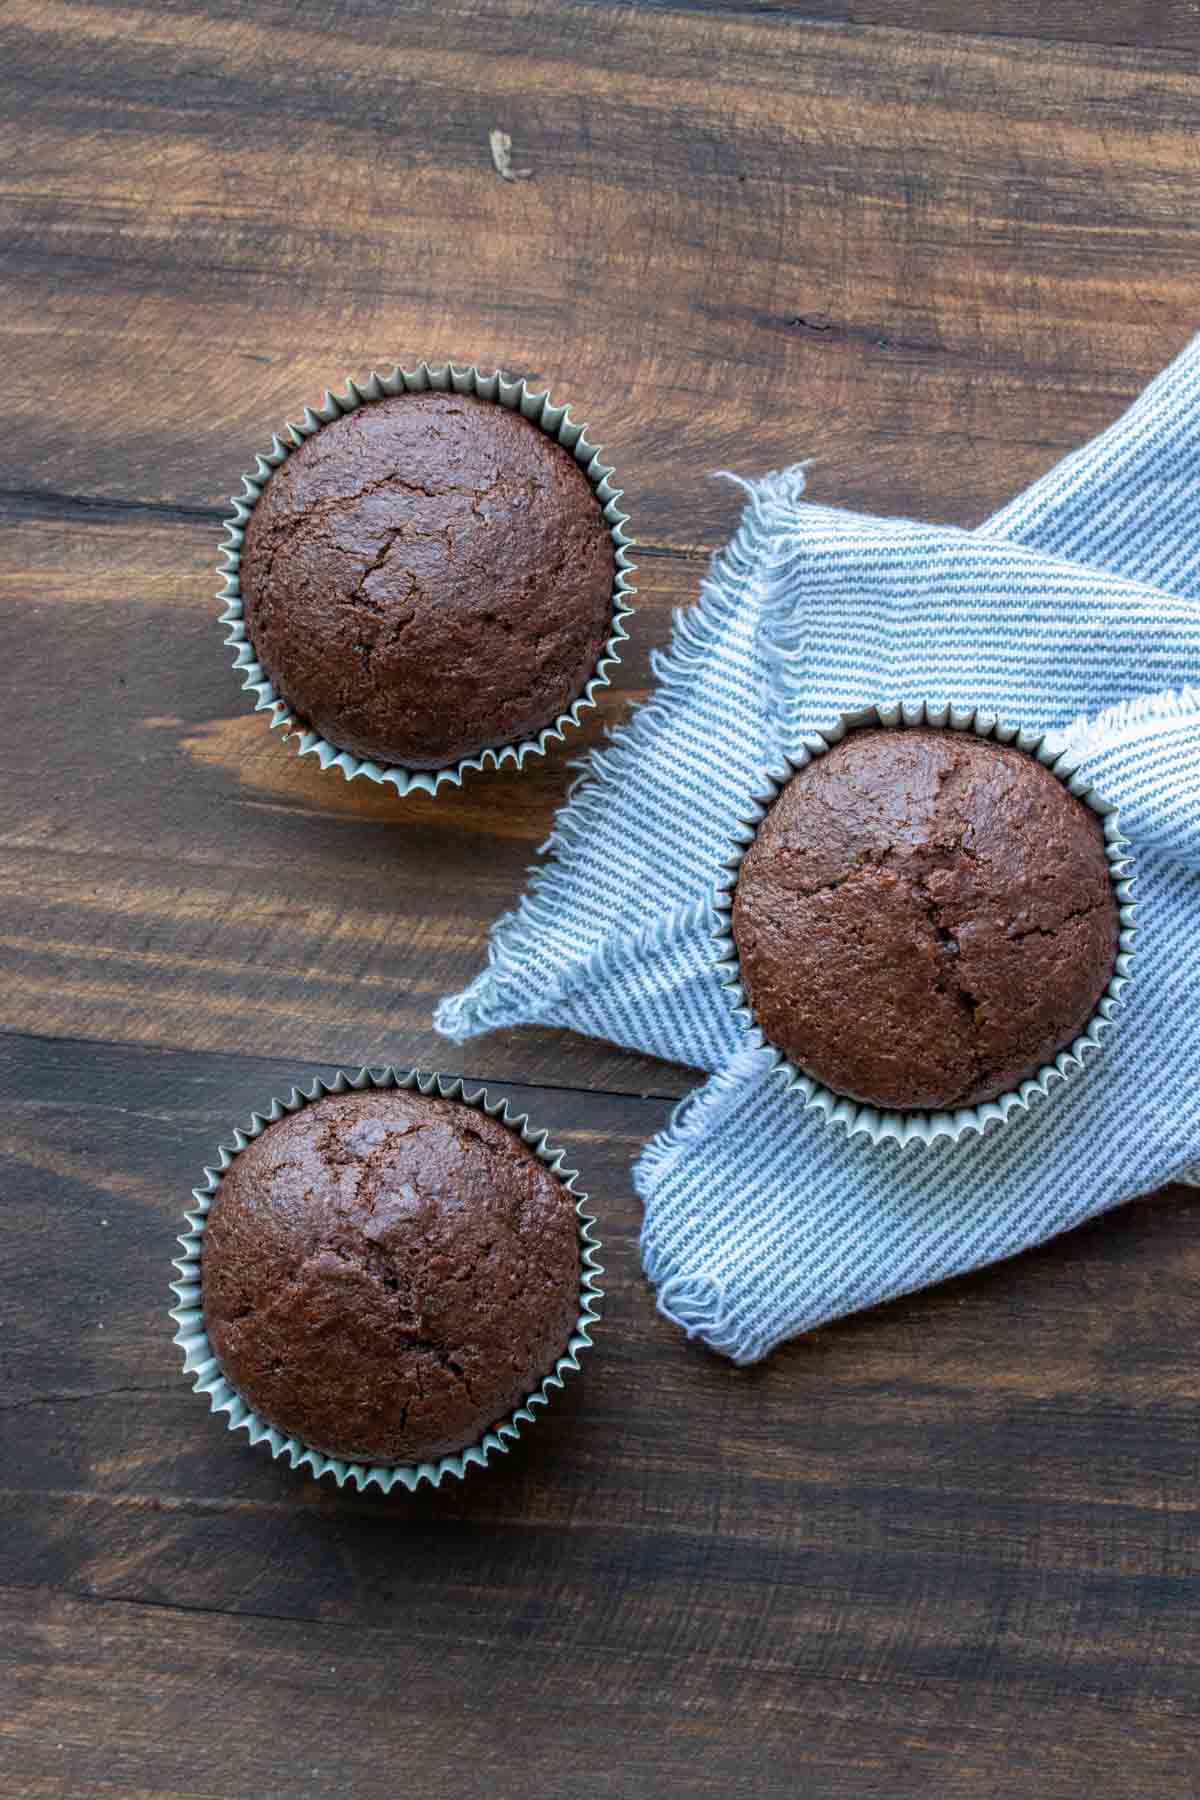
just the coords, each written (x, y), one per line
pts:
(427, 577)
(924, 918)
(386, 1275)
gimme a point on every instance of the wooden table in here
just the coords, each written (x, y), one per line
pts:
(946, 1549)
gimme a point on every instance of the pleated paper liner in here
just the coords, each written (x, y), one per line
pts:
(541, 411)
(878, 1124)
(188, 1313)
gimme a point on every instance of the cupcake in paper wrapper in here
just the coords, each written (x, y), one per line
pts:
(897, 1052)
(308, 1324)
(434, 588)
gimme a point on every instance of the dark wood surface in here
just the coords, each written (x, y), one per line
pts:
(950, 1548)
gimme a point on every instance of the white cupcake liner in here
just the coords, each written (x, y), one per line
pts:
(541, 411)
(200, 1361)
(878, 1124)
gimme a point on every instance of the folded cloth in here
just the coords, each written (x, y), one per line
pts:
(1076, 608)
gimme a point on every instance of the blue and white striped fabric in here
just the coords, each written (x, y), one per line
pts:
(1077, 608)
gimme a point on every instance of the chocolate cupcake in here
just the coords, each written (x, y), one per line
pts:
(431, 578)
(385, 1276)
(925, 921)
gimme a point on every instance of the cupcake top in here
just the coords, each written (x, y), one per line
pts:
(427, 577)
(385, 1275)
(924, 918)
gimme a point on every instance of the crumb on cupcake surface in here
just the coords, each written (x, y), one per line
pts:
(924, 918)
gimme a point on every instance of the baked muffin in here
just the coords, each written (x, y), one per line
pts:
(924, 918)
(427, 577)
(385, 1275)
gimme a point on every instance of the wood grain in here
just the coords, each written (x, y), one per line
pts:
(1130, 24)
(939, 262)
(344, 1705)
(172, 873)
(899, 1558)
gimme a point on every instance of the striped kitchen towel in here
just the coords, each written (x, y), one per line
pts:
(1076, 608)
